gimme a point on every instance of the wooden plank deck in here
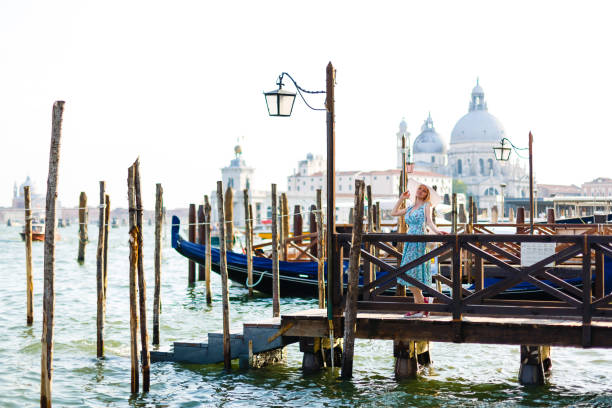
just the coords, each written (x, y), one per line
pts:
(391, 325)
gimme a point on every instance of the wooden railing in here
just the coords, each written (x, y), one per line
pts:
(565, 278)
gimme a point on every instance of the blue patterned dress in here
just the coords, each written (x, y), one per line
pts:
(415, 220)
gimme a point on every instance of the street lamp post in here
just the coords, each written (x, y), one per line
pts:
(280, 103)
(502, 152)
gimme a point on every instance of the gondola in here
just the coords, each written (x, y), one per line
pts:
(296, 278)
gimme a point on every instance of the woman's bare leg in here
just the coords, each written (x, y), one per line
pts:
(418, 295)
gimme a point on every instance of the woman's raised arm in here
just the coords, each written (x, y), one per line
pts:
(396, 211)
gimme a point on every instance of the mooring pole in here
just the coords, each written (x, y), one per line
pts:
(201, 272)
(159, 205)
(28, 245)
(249, 242)
(227, 354)
(531, 182)
(83, 219)
(350, 315)
(142, 286)
(192, 238)
(49, 259)
(229, 218)
(100, 276)
(207, 242)
(134, 375)
(275, 277)
(105, 255)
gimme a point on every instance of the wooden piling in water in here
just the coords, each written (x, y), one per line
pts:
(46, 372)
(550, 216)
(100, 275)
(350, 313)
(207, 242)
(134, 375)
(142, 286)
(275, 277)
(201, 273)
(105, 257)
(312, 228)
(159, 205)
(249, 243)
(83, 219)
(285, 224)
(227, 354)
(454, 214)
(229, 219)
(192, 238)
(520, 219)
(28, 245)
(320, 251)
(297, 223)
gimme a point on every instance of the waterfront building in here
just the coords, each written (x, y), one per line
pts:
(599, 187)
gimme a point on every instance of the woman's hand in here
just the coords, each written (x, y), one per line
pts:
(443, 232)
(405, 195)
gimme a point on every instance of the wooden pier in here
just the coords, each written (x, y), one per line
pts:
(573, 315)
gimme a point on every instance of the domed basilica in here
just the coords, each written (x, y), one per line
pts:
(469, 157)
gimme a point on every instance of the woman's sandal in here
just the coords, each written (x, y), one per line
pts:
(420, 313)
(415, 314)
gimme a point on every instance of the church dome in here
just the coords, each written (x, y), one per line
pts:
(478, 125)
(429, 141)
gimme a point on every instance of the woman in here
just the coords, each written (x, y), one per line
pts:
(417, 216)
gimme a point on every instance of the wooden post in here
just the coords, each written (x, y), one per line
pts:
(454, 214)
(462, 214)
(105, 257)
(285, 225)
(46, 372)
(100, 276)
(550, 216)
(207, 261)
(142, 286)
(511, 215)
(227, 354)
(251, 237)
(28, 245)
(134, 375)
(350, 314)
(275, 277)
(312, 228)
(494, 214)
(83, 219)
(297, 223)
(192, 238)
(229, 219)
(320, 248)
(159, 205)
(201, 272)
(520, 220)
(249, 242)
(368, 268)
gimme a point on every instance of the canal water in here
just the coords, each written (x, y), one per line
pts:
(462, 374)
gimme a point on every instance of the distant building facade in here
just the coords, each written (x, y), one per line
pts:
(600, 187)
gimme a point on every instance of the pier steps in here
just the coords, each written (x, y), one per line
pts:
(253, 340)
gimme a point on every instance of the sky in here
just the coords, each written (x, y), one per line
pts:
(177, 83)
